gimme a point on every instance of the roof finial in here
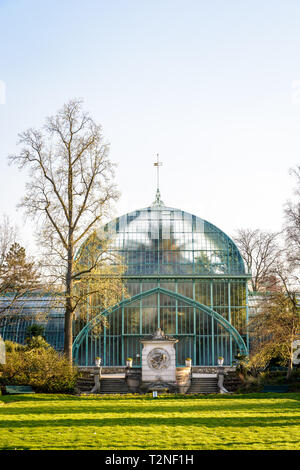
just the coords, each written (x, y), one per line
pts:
(158, 201)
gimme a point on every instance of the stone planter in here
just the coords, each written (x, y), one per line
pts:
(220, 361)
(188, 362)
(98, 361)
(129, 363)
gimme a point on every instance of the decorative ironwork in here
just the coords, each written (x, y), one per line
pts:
(200, 339)
(160, 240)
(183, 275)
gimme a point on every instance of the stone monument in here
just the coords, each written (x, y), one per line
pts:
(159, 362)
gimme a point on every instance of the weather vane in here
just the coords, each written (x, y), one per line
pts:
(157, 164)
(158, 200)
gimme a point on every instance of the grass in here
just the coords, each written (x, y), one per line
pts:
(254, 421)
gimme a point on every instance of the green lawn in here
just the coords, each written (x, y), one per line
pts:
(257, 421)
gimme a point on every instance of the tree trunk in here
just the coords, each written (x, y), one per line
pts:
(290, 364)
(68, 342)
(69, 279)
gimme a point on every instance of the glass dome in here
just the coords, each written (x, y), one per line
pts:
(160, 240)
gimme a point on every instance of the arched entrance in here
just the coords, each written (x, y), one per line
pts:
(203, 334)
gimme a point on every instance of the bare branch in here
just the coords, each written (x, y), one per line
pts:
(71, 187)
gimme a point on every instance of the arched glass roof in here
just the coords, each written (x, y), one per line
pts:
(160, 240)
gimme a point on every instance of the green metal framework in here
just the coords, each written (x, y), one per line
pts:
(40, 308)
(198, 337)
(183, 275)
(160, 240)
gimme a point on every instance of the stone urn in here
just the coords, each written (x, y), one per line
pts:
(220, 361)
(98, 361)
(188, 362)
(129, 362)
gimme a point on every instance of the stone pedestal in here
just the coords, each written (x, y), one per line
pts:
(97, 377)
(183, 378)
(221, 375)
(133, 379)
(159, 361)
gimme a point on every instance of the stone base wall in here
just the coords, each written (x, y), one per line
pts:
(104, 370)
(88, 370)
(121, 369)
(114, 370)
(133, 378)
(211, 369)
(182, 383)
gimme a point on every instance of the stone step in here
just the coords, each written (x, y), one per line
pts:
(113, 385)
(204, 382)
(112, 380)
(214, 386)
(108, 385)
(203, 390)
(113, 389)
(85, 383)
(204, 385)
(204, 379)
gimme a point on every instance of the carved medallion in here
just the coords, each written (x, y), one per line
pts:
(158, 359)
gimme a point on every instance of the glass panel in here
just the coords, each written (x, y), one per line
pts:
(162, 240)
(200, 336)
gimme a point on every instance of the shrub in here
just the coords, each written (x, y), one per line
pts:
(41, 367)
(10, 346)
(256, 383)
(35, 330)
(37, 342)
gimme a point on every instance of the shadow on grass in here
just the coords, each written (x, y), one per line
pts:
(102, 407)
(209, 422)
(38, 397)
(137, 397)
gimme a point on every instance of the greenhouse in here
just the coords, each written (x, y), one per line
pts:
(18, 314)
(182, 274)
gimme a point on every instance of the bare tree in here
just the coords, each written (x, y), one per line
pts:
(292, 224)
(276, 325)
(8, 236)
(69, 191)
(260, 251)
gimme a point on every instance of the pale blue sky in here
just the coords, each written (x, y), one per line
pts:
(207, 84)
